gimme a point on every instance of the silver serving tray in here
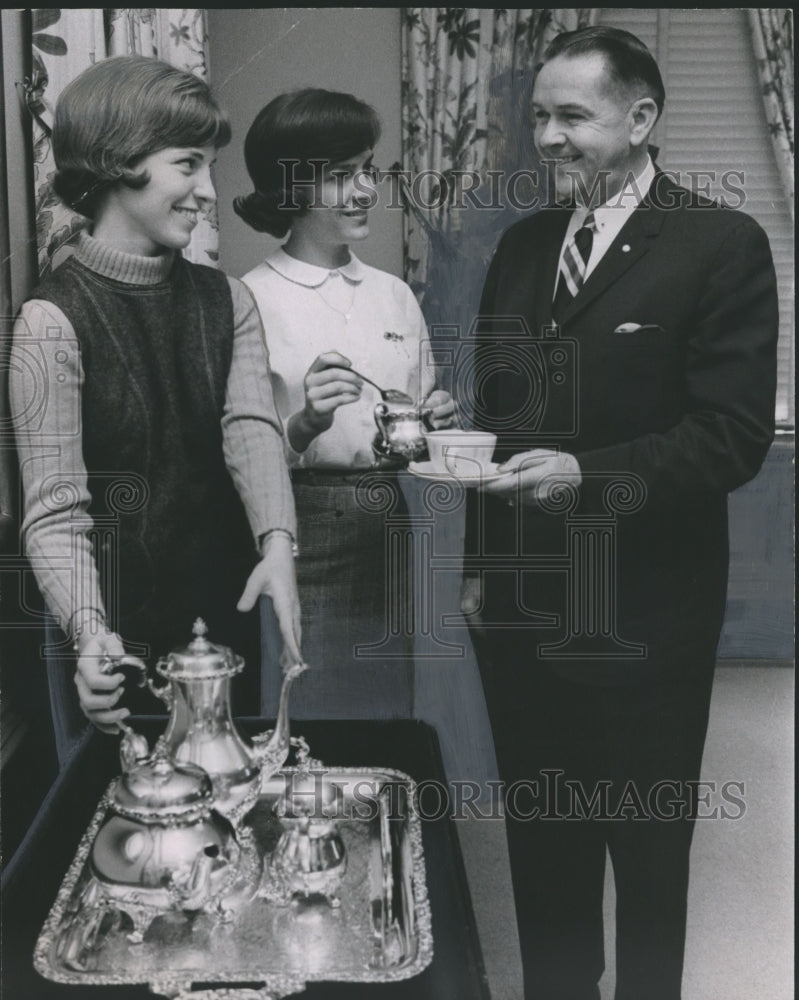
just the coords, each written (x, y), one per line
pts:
(380, 932)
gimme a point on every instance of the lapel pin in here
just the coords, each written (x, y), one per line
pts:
(625, 248)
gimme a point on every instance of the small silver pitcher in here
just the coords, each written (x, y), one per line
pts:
(401, 429)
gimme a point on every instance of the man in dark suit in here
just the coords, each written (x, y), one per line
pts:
(597, 566)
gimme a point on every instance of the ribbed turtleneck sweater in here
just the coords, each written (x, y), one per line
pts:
(57, 368)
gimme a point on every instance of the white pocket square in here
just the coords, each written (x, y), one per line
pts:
(638, 327)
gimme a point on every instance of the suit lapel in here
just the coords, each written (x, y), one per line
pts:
(635, 239)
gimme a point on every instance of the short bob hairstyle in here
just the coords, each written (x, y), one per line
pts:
(117, 112)
(629, 62)
(290, 132)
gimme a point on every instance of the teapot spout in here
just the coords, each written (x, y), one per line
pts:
(133, 747)
(271, 748)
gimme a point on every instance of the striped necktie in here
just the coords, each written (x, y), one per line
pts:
(572, 267)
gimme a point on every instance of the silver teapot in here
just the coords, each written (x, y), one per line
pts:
(161, 848)
(163, 839)
(401, 426)
(201, 730)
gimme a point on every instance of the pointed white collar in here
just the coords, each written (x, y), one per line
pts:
(625, 202)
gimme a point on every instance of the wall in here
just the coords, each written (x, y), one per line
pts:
(760, 607)
(258, 54)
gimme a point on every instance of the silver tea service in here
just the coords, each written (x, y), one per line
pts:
(210, 861)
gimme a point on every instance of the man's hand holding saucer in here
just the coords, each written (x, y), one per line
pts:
(532, 474)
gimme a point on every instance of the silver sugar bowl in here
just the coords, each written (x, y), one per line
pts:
(310, 858)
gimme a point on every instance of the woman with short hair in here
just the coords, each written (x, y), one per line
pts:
(328, 316)
(154, 476)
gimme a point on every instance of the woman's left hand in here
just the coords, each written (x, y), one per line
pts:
(440, 410)
(276, 576)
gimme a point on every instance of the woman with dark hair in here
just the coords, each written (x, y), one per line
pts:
(150, 449)
(325, 313)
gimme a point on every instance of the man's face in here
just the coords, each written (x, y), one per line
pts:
(586, 126)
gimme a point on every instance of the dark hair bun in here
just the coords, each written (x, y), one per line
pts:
(79, 190)
(262, 214)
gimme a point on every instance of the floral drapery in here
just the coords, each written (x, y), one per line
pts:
(772, 40)
(64, 43)
(466, 78)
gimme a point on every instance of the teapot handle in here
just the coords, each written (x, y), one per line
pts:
(165, 691)
(113, 663)
(138, 669)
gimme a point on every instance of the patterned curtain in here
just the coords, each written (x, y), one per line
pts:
(466, 77)
(772, 40)
(64, 43)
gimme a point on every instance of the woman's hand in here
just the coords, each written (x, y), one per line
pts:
(98, 690)
(328, 384)
(275, 575)
(439, 408)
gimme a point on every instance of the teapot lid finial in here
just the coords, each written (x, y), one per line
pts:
(199, 644)
(201, 659)
(161, 758)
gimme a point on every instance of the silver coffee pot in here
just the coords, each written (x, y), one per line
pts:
(201, 730)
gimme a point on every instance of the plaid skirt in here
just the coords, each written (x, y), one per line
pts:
(355, 584)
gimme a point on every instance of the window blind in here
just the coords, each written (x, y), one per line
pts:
(714, 122)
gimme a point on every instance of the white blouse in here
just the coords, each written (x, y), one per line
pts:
(369, 316)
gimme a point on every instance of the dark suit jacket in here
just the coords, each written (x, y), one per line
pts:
(685, 404)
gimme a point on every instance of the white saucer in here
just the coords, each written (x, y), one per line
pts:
(425, 470)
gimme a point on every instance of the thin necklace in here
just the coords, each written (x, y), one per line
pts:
(346, 313)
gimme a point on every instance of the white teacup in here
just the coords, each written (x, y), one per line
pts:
(460, 453)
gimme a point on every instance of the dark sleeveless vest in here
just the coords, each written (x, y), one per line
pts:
(171, 538)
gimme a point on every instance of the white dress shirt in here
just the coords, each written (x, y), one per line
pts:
(369, 316)
(609, 218)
